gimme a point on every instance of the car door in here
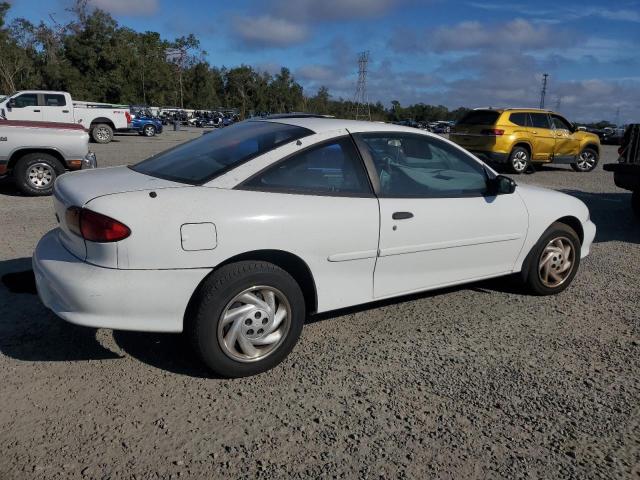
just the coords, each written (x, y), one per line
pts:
(24, 107)
(542, 136)
(566, 145)
(437, 226)
(321, 206)
(55, 109)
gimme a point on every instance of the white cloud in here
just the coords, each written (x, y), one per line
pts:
(314, 10)
(127, 7)
(267, 31)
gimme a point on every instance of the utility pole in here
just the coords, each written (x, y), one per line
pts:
(543, 93)
(618, 117)
(361, 99)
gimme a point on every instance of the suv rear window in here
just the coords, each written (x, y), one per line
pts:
(213, 154)
(480, 117)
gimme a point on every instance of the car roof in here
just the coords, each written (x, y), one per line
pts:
(320, 125)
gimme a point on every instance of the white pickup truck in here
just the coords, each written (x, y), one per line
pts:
(34, 154)
(100, 119)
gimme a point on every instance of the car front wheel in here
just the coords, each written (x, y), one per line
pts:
(554, 260)
(246, 318)
(587, 161)
(102, 133)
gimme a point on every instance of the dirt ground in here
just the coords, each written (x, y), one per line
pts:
(481, 381)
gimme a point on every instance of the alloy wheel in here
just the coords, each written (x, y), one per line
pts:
(254, 324)
(586, 160)
(556, 262)
(102, 133)
(40, 175)
(519, 161)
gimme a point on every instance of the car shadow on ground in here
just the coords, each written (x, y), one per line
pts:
(30, 332)
(612, 214)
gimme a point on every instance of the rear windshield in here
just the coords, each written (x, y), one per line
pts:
(480, 117)
(215, 153)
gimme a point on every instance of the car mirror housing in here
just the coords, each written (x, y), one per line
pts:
(500, 185)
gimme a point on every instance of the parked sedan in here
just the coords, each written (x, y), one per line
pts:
(237, 236)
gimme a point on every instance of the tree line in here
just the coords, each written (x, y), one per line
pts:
(96, 59)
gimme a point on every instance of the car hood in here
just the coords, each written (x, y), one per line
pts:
(78, 188)
(540, 201)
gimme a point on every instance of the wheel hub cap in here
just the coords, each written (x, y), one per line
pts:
(254, 324)
(520, 161)
(556, 262)
(40, 175)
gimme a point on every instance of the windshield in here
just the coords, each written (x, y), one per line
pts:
(215, 153)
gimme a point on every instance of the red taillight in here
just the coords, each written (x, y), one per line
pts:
(128, 115)
(620, 150)
(95, 227)
(492, 131)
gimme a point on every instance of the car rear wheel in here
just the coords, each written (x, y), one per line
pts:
(519, 160)
(36, 173)
(149, 130)
(587, 161)
(246, 318)
(554, 261)
(101, 133)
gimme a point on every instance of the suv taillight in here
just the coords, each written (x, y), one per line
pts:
(128, 115)
(95, 227)
(492, 131)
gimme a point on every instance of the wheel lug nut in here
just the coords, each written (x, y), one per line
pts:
(247, 321)
(260, 332)
(258, 315)
(264, 321)
(250, 332)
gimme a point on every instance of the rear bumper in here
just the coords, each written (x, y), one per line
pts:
(92, 296)
(496, 157)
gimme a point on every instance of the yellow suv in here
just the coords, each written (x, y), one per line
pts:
(520, 137)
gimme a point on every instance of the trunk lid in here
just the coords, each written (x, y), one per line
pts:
(78, 188)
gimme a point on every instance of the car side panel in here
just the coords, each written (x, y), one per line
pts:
(337, 237)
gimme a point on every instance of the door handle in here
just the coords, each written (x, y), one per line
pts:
(65, 111)
(534, 131)
(36, 110)
(402, 215)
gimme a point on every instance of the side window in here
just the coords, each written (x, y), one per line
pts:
(422, 166)
(540, 120)
(560, 123)
(519, 119)
(54, 100)
(26, 100)
(330, 168)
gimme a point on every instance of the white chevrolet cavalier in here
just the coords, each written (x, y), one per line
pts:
(236, 236)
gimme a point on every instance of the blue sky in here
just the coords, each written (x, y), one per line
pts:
(463, 53)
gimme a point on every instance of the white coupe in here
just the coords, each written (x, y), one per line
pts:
(237, 236)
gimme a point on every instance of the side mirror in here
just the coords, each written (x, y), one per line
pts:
(500, 185)
(11, 104)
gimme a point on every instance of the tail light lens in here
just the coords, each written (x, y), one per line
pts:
(620, 150)
(493, 131)
(95, 227)
(128, 115)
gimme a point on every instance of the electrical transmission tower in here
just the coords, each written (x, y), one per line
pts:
(361, 99)
(543, 93)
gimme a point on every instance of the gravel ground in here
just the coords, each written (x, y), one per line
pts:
(480, 381)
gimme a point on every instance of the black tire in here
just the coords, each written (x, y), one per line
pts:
(213, 297)
(587, 161)
(101, 133)
(519, 160)
(532, 276)
(43, 164)
(635, 203)
(149, 131)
